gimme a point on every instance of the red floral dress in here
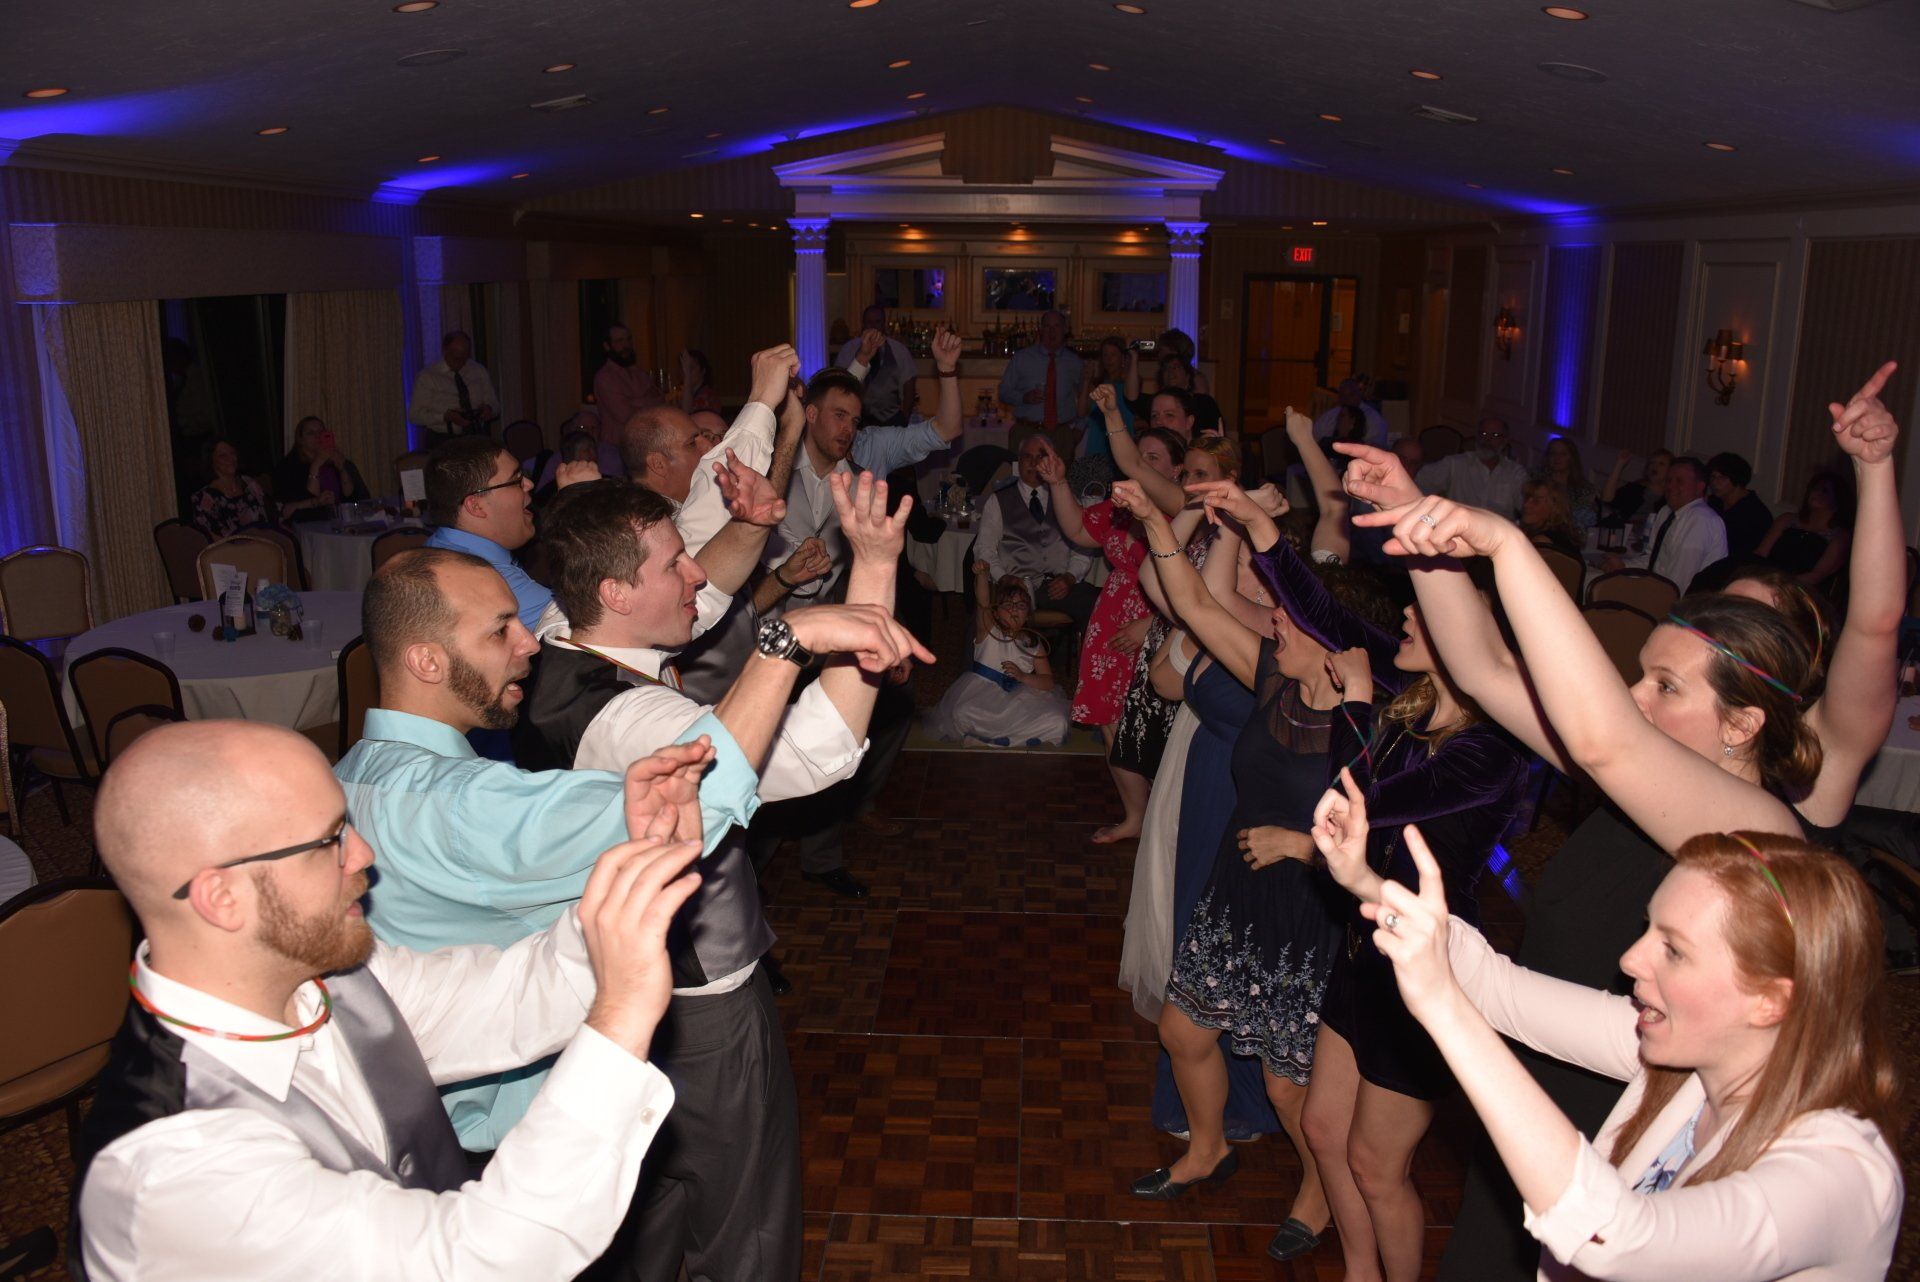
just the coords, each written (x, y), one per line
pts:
(1104, 672)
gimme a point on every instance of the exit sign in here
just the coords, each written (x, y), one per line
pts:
(1303, 253)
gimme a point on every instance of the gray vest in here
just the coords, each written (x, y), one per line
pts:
(1029, 548)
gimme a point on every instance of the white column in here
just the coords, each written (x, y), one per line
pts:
(1183, 281)
(810, 292)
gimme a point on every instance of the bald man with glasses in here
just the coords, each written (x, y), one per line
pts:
(270, 1106)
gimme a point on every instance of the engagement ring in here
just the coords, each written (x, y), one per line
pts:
(1390, 921)
(1426, 518)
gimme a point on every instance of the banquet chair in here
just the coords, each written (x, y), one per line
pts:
(262, 560)
(179, 544)
(64, 949)
(394, 542)
(130, 723)
(1644, 590)
(44, 594)
(1438, 441)
(1622, 630)
(359, 690)
(37, 720)
(296, 575)
(1570, 570)
(108, 682)
(7, 799)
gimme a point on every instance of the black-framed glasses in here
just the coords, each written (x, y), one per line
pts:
(339, 835)
(516, 480)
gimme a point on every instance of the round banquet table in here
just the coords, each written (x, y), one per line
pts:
(258, 678)
(16, 871)
(337, 559)
(946, 561)
(1892, 780)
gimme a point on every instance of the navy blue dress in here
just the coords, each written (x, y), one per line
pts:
(1206, 804)
(1254, 956)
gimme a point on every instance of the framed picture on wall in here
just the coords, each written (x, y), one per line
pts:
(897, 288)
(1125, 295)
(1029, 287)
(1133, 293)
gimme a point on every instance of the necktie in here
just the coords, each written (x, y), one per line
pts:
(1035, 506)
(1050, 416)
(466, 397)
(1660, 536)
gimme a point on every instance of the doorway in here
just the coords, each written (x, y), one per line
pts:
(1298, 337)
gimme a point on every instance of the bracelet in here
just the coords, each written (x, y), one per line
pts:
(791, 587)
(1163, 556)
(947, 373)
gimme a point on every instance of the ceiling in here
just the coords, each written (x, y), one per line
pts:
(1815, 101)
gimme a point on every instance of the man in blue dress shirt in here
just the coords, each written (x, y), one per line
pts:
(483, 505)
(1049, 366)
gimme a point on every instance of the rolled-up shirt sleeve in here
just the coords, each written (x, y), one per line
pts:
(704, 514)
(813, 751)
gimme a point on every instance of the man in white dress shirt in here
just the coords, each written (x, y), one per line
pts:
(1335, 421)
(269, 1108)
(1019, 536)
(454, 395)
(1686, 535)
(1484, 478)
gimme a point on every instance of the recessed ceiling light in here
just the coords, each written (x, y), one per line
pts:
(428, 160)
(1319, 222)
(1329, 116)
(1098, 66)
(696, 215)
(1475, 186)
(1134, 9)
(1278, 142)
(1418, 74)
(1083, 98)
(416, 6)
(1722, 146)
(753, 224)
(558, 67)
(522, 174)
(271, 131)
(1564, 13)
(1565, 173)
(656, 111)
(862, 4)
(726, 220)
(51, 91)
(916, 95)
(716, 134)
(898, 63)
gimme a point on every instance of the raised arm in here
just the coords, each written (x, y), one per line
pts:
(1066, 508)
(1330, 533)
(1612, 487)
(1669, 790)
(876, 540)
(982, 600)
(1229, 641)
(755, 507)
(946, 366)
(1856, 710)
(1184, 525)
(1126, 454)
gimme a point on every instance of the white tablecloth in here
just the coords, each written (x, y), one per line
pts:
(16, 870)
(337, 561)
(259, 678)
(1892, 781)
(946, 560)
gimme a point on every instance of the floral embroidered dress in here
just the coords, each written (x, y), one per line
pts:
(221, 514)
(1254, 957)
(1104, 671)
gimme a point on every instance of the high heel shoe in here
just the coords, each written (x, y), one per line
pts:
(1160, 1186)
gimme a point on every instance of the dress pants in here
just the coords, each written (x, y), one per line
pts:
(720, 1187)
(819, 822)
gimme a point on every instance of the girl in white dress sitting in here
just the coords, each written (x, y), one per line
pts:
(1008, 696)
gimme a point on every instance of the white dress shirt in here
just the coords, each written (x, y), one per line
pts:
(434, 394)
(1331, 421)
(1465, 479)
(232, 1193)
(1697, 538)
(1068, 558)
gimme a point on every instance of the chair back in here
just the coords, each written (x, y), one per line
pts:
(359, 690)
(1644, 590)
(290, 548)
(1570, 570)
(394, 542)
(411, 461)
(1438, 441)
(1622, 631)
(64, 949)
(180, 545)
(30, 689)
(262, 560)
(44, 594)
(523, 440)
(108, 682)
(978, 465)
(130, 723)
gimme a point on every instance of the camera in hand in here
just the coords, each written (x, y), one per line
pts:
(1144, 345)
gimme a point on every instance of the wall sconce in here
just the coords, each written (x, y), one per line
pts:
(1726, 355)
(1505, 330)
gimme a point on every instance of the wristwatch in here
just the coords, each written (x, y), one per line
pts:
(775, 640)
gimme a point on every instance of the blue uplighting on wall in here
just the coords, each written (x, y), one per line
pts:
(129, 114)
(1573, 289)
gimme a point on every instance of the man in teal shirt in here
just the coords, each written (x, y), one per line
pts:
(476, 851)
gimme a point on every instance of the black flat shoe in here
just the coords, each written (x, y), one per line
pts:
(1160, 1186)
(839, 881)
(1292, 1240)
(776, 978)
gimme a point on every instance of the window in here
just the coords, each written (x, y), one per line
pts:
(224, 360)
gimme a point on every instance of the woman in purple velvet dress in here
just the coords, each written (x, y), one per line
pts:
(1427, 757)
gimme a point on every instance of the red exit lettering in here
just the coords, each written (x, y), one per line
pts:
(1303, 253)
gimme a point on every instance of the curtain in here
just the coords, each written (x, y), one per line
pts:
(456, 309)
(104, 403)
(344, 365)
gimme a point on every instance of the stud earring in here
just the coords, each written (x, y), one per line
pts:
(1726, 749)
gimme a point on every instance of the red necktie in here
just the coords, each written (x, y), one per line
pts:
(1050, 417)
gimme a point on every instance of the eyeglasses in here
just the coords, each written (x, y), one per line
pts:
(338, 835)
(516, 480)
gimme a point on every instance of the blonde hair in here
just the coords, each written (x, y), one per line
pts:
(1831, 1051)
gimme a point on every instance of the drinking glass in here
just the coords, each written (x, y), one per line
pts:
(315, 631)
(163, 646)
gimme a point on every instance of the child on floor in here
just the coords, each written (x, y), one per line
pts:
(1008, 696)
